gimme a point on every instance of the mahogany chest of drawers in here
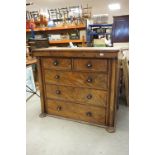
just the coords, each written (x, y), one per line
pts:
(80, 84)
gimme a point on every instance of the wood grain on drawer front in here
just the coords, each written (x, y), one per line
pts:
(78, 95)
(91, 65)
(77, 79)
(76, 111)
(57, 63)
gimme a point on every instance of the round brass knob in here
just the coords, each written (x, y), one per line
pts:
(89, 114)
(89, 96)
(57, 76)
(58, 92)
(89, 65)
(89, 80)
(55, 63)
(59, 108)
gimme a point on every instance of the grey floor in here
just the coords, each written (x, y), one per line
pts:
(53, 136)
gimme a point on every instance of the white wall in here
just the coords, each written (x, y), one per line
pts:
(98, 6)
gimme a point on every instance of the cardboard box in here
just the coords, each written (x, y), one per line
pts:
(99, 42)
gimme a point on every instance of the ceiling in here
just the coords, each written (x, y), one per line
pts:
(98, 6)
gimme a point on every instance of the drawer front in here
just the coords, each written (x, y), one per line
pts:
(57, 63)
(79, 95)
(91, 65)
(94, 80)
(76, 111)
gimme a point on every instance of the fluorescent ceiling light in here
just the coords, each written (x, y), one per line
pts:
(114, 6)
(99, 15)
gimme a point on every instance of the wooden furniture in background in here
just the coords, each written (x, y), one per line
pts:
(120, 32)
(29, 59)
(125, 66)
(120, 35)
(79, 84)
(32, 61)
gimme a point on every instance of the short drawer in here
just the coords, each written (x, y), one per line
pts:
(78, 95)
(76, 111)
(91, 65)
(57, 63)
(93, 80)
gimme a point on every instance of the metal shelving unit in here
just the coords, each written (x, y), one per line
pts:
(94, 30)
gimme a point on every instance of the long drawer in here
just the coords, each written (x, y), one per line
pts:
(76, 111)
(77, 79)
(79, 95)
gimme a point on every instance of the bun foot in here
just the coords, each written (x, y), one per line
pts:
(111, 129)
(42, 115)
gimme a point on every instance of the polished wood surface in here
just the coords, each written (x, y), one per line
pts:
(76, 111)
(90, 65)
(78, 95)
(57, 63)
(41, 86)
(78, 86)
(77, 79)
(85, 52)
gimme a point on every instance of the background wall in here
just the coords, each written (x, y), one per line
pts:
(98, 6)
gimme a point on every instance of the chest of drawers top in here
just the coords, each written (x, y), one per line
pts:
(93, 52)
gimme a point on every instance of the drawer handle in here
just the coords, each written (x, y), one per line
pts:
(58, 92)
(55, 63)
(57, 77)
(89, 114)
(89, 96)
(59, 108)
(89, 80)
(89, 65)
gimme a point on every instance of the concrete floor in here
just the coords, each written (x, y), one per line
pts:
(53, 136)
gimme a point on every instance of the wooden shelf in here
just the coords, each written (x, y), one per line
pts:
(64, 41)
(57, 28)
